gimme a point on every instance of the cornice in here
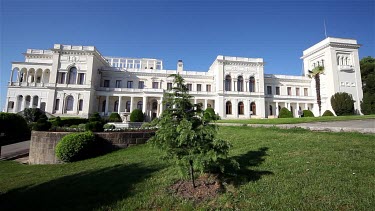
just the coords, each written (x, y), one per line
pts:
(333, 44)
(33, 63)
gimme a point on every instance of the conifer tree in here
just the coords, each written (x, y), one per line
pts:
(186, 136)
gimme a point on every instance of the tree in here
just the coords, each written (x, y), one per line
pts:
(115, 117)
(186, 136)
(136, 116)
(315, 73)
(342, 103)
(368, 81)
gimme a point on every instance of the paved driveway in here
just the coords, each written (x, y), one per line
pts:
(16, 149)
(366, 123)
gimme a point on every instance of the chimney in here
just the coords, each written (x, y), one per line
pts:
(180, 66)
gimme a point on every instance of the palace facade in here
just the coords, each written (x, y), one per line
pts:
(78, 81)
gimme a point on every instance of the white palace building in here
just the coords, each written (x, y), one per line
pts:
(78, 81)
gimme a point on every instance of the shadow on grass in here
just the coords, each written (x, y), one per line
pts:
(84, 191)
(246, 161)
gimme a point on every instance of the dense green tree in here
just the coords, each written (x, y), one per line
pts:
(342, 103)
(368, 85)
(136, 116)
(315, 73)
(185, 135)
(115, 117)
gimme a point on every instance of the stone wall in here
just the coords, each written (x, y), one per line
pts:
(42, 144)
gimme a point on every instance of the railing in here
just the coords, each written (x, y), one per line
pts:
(38, 51)
(347, 68)
(129, 89)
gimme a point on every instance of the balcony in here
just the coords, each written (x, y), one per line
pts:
(111, 89)
(346, 68)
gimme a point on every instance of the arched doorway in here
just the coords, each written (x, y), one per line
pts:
(253, 108)
(241, 110)
(228, 108)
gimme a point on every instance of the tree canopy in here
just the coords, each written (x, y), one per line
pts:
(368, 85)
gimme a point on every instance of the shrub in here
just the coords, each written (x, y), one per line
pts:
(342, 103)
(115, 117)
(308, 113)
(95, 117)
(94, 126)
(73, 126)
(328, 113)
(32, 114)
(285, 113)
(14, 128)
(75, 146)
(209, 115)
(109, 126)
(368, 103)
(136, 116)
(42, 124)
(56, 121)
(82, 126)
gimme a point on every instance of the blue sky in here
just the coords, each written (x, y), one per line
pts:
(194, 31)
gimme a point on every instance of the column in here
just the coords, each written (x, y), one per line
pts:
(195, 100)
(11, 78)
(161, 106)
(106, 105)
(234, 85)
(144, 104)
(277, 109)
(297, 110)
(247, 86)
(23, 103)
(119, 104)
(131, 103)
(205, 104)
(39, 102)
(42, 78)
(247, 108)
(235, 108)
(306, 106)
(27, 77)
(35, 75)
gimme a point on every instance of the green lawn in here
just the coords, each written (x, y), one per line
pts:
(296, 120)
(281, 170)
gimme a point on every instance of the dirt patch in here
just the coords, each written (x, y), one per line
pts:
(207, 186)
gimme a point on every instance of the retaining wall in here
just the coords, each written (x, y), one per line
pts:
(42, 144)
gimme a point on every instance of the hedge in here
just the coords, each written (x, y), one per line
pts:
(75, 146)
(94, 126)
(285, 113)
(42, 124)
(67, 122)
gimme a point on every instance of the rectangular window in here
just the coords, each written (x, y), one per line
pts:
(106, 83)
(277, 90)
(11, 105)
(208, 88)
(190, 87)
(118, 83)
(199, 87)
(297, 91)
(141, 85)
(306, 93)
(269, 90)
(80, 105)
(57, 104)
(155, 85)
(129, 84)
(169, 86)
(61, 78)
(81, 78)
(289, 89)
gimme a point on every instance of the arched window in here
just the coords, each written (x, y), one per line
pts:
(69, 103)
(228, 107)
(228, 83)
(115, 106)
(35, 101)
(72, 75)
(27, 101)
(271, 111)
(241, 109)
(19, 102)
(127, 107)
(140, 105)
(240, 84)
(253, 108)
(252, 84)
(154, 105)
(103, 106)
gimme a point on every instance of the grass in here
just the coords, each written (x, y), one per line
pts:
(297, 120)
(291, 169)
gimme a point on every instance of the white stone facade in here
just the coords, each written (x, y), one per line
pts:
(78, 81)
